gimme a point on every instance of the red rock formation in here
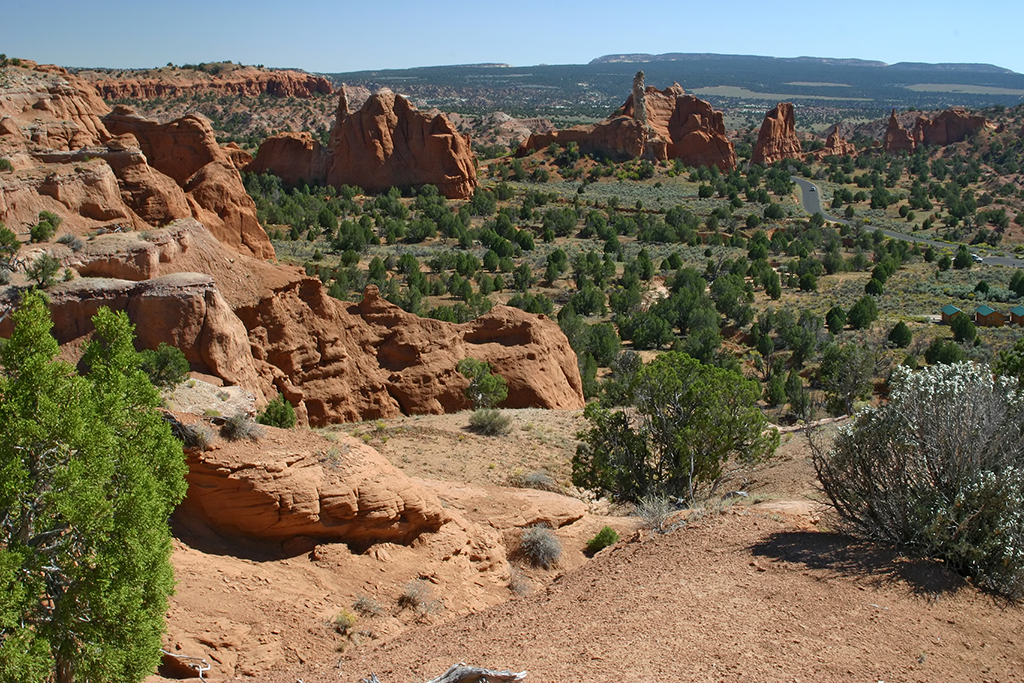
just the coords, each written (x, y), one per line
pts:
(778, 139)
(246, 81)
(69, 161)
(333, 361)
(294, 157)
(897, 138)
(835, 146)
(353, 496)
(387, 143)
(952, 125)
(238, 156)
(674, 125)
(187, 151)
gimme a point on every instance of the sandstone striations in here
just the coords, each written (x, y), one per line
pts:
(178, 82)
(100, 169)
(656, 124)
(777, 139)
(387, 143)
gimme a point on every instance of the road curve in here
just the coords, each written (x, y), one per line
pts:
(810, 200)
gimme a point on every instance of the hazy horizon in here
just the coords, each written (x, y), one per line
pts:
(335, 37)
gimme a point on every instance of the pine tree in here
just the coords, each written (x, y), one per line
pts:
(89, 475)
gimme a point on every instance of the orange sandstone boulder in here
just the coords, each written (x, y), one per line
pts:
(777, 139)
(348, 494)
(294, 157)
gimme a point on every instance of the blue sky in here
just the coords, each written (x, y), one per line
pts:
(349, 36)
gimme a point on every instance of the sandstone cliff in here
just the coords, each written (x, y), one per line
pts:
(271, 329)
(100, 169)
(777, 139)
(656, 124)
(178, 82)
(387, 143)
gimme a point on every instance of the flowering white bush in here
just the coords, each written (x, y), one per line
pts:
(941, 468)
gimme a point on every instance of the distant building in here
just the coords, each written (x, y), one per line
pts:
(1017, 315)
(949, 311)
(986, 316)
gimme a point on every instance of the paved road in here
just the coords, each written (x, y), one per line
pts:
(810, 199)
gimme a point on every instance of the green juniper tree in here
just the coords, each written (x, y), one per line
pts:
(89, 475)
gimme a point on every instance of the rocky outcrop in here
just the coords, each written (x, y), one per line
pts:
(655, 124)
(387, 143)
(293, 157)
(348, 494)
(897, 138)
(184, 310)
(174, 82)
(777, 139)
(187, 151)
(52, 108)
(835, 146)
(100, 169)
(274, 330)
(373, 360)
(952, 125)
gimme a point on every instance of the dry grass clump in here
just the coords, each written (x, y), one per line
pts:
(240, 426)
(540, 547)
(490, 422)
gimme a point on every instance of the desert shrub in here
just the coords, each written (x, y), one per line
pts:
(166, 366)
(939, 468)
(490, 422)
(46, 227)
(240, 426)
(343, 622)
(73, 242)
(654, 511)
(605, 537)
(519, 583)
(485, 390)
(691, 419)
(539, 480)
(43, 271)
(198, 436)
(945, 351)
(418, 595)
(963, 328)
(367, 606)
(278, 413)
(900, 335)
(5, 164)
(540, 547)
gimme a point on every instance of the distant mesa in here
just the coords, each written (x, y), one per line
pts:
(387, 143)
(950, 126)
(778, 139)
(652, 124)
